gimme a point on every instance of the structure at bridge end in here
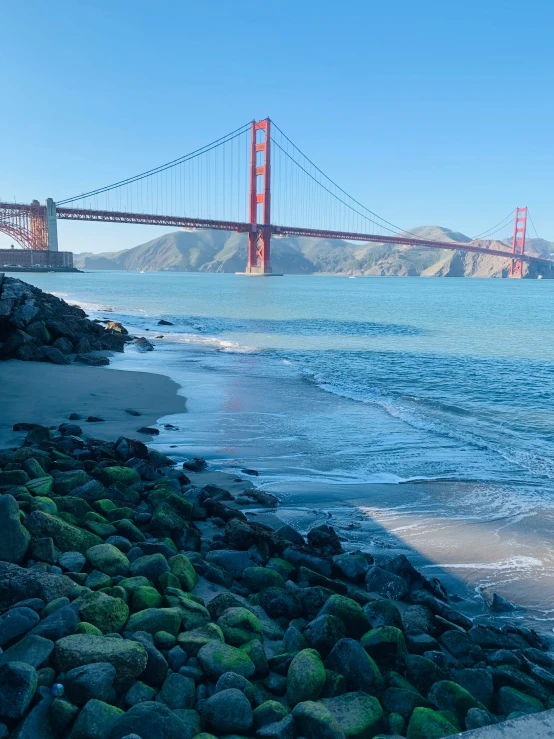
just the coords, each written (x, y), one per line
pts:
(259, 236)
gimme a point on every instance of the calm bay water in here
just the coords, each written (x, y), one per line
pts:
(332, 386)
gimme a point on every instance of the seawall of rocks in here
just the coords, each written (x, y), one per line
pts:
(136, 603)
(39, 327)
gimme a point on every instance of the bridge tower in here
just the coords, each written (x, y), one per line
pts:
(518, 244)
(259, 236)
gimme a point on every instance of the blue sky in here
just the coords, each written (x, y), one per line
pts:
(428, 113)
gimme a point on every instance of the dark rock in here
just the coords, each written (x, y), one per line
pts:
(96, 720)
(277, 602)
(143, 345)
(325, 539)
(462, 647)
(386, 645)
(449, 696)
(348, 658)
(17, 583)
(352, 566)
(15, 623)
(150, 720)
(383, 613)
(227, 712)
(315, 721)
(148, 430)
(132, 412)
(511, 700)
(385, 583)
(14, 538)
(53, 355)
(195, 465)
(95, 419)
(216, 659)
(423, 672)
(177, 691)
(426, 723)
(306, 677)
(128, 657)
(323, 633)
(489, 639)
(478, 682)
(92, 360)
(18, 683)
(62, 622)
(403, 702)
(89, 681)
(33, 650)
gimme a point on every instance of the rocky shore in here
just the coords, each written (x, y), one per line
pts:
(39, 327)
(138, 599)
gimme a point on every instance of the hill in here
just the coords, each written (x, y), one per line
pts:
(220, 251)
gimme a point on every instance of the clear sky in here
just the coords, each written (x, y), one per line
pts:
(428, 112)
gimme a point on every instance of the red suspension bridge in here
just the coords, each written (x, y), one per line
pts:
(254, 181)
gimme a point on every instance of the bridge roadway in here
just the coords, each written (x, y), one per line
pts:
(76, 214)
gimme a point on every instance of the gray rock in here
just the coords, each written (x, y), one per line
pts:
(232, 680)
(216, 659)
(284, 729)
(72, 561)
(62, 622)
(18, 683)
(17, 583)
(89, 681)
(150, 566)
(228, 712)
(348, 658)
(462, 647)
(15, 623)
(14, 538)
(96, 720)
(33, 650)
(37, 724)
(43, 550)
(315, 721)
(353, 566)
(232, 561)
(139, 692)
(150, 721)
(177, 691)
(385, 583)
(128, 657)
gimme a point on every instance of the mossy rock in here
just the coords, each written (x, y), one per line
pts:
(40, 485)
(106, 613)
(65, 482)
(44, 504)
(305, 678)
(104, 506)
(128, 529)
(428, 724)
(403, 702)
(315, 720)
(195, 615)
(383, 613)
(85, 628)
(183, 570)
(128, 657)
(349, 612)
(269, 712)
(386, 645)
(217, 658)
(449, 696)
(108, 559)
(359, 715)
(96, 719)
(284, 568)
(193, 641)
(67, 537)
(155, 619)
(255, 650)
(511, 700)
(239, 626)
(130, 584)
(258, 578)
(117, 475)
(145, 597)
(97, 580)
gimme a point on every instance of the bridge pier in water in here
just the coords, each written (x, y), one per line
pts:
(259, 236)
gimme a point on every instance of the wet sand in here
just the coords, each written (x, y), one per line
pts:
(34, 392)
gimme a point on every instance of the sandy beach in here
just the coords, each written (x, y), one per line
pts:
(38, 392)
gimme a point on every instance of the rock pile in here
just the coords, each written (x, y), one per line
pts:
(39, 327)
(134, 603)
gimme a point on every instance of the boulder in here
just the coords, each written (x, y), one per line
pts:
(386, 645)
(128, 657)
(324, 632)
(305, 678)
(428, 724)
(348, 658)
(511, 700)
(96, 720)
(177, 691)
(315, 721)
(17, 584)
(89, 681)
(447, 695)
(227, 712)
(239, 625)
(66, 536)
(150, 720)
(360, 716)
(15, 623)
(383, 613)
(101, 610)
(108, 559)
(155, 619)
(353, 565)
(14, 538)
(350, 613)
(217, 658)
(385, 583)
(58, 624)
(33, 650)
(18, 684)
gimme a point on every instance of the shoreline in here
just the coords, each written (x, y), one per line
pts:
(48, 394)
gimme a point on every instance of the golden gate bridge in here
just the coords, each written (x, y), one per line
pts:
(256, 181)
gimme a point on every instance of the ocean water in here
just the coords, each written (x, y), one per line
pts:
(412, 412)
